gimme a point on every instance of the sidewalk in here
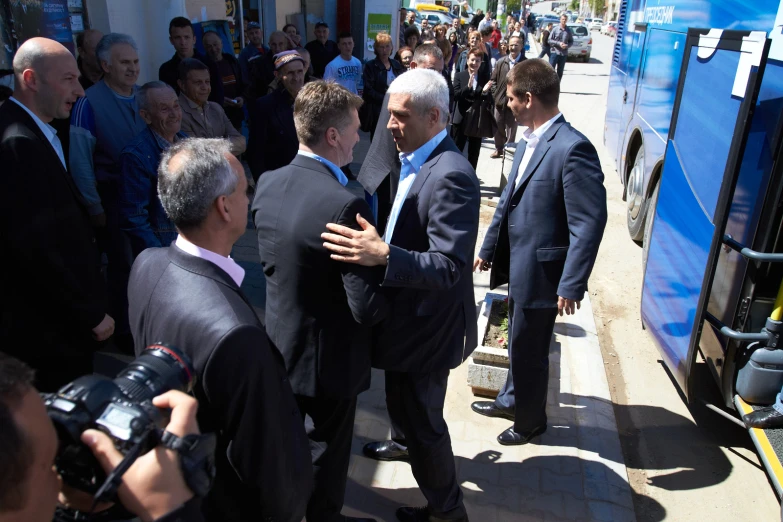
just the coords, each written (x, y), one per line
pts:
(574, 472)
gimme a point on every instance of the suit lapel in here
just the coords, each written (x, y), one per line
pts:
(33, 126)
(538, 155)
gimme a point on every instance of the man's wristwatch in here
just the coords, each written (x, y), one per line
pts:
(196, 459)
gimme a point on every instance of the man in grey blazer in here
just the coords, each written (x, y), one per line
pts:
(550, 220)
(427, 248)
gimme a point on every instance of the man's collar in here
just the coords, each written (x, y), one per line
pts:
(418, 157)
(334, 169)
(190, 103)
(528, 135)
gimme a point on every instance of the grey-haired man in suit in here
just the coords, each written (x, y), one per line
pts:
(426, 248)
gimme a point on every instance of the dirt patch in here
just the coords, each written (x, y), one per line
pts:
(496, 335)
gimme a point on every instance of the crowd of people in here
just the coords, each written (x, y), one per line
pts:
(152, 177)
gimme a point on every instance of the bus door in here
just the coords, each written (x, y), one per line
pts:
(716, 94)
(635, 37)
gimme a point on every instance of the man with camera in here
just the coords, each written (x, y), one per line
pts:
(153, 488)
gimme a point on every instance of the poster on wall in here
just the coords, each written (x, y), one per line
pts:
(46, 18)
(377, 23)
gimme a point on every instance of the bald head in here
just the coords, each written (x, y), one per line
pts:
(36, 54)
(47, 78)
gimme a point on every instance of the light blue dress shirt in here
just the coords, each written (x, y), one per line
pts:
(331, 166)
(410, 164)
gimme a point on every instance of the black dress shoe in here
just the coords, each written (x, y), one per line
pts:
(422, 514)
(512, 438)
(384, 450)
(490, 409)
(764, 418)
(357, 519)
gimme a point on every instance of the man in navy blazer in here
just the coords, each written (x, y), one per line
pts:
(549, 221)
(426, 249)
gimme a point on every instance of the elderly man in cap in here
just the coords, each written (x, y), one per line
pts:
(273, 141)
(202, 118)
(322, 49)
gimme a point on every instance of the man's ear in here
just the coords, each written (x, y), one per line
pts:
(181, 85)
(145, 115)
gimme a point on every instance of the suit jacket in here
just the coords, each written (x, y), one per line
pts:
(318, 311)
(273, 142)
(54, 294)
(263, 459)
(464, 93)
(209, 121)
(561, 197)
(431, 324)
(500, 78)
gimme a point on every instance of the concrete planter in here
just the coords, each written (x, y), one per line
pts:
(488, 366)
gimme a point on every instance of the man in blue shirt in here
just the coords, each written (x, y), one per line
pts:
(142, 216)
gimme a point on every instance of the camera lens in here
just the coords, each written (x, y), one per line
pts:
(158, 369)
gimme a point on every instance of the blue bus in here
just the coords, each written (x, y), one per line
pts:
(694, 122)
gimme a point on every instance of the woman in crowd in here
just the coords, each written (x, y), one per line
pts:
(454, 51)
(475, 42)
(406, 56)
(294, 38)
(440, 32)
(469, 87)
(378, 75)
(412, 37)
(502, 51)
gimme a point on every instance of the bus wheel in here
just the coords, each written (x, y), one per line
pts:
(648, 225)
(635, 197)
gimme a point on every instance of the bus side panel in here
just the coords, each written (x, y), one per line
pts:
(680, 15)
(744, 214)
(613, 135)
(683, 229)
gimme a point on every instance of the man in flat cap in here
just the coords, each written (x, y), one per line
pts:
(273, 141)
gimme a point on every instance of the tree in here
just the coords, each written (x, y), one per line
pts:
(513, 6)
(574, 5)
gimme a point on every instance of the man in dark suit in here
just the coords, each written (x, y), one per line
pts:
(426, 249)
(380, 171)
(54, 305)
(555, 188)
(273, 142)
(188, 295)
(319, 311)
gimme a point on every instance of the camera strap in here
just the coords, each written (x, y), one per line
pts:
(196, 459)
(108, 490)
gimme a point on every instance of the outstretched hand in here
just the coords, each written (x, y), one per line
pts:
(362, 247)
(567, 305)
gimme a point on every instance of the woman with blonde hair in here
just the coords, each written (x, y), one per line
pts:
(378, 75)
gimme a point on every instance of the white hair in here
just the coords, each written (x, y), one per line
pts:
(105, 44)
(427, 90)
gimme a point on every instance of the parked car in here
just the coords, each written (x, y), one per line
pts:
(609, 29)
(583, 42)
(542, 21)
(596, 24)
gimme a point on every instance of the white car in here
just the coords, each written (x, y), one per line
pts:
(583, 43)
(609, 28)
(597, 23)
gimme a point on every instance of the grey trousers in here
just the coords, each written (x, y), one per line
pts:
(507, 128)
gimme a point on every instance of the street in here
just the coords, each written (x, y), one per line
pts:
(682, 463)
(622, 444)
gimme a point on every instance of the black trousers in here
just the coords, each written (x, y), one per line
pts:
(474, 145)
(558, 61)
(329, 426)
(531, 334)
(416, 400)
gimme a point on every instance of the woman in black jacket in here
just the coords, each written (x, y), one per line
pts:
(469, 86)
(378, 75)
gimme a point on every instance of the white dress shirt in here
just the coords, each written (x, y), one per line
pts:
(48, 130)
(531, 139)
(228, 265)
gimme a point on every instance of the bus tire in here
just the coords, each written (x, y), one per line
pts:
(648, 225)
(636, 203)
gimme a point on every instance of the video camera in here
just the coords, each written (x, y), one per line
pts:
(121, 407)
